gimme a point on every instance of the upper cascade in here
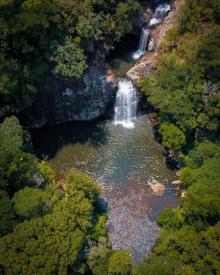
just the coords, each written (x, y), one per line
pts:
(160, 13)
(125, 110)
(142, 44)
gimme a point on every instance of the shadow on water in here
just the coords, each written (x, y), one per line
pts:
(48, 140)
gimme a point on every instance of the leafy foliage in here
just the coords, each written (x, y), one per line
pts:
(185, 92)
(41, 37)
(51, 243)
(120, 263)
(173, 138)
(17, 167)
(70, 59)
(45, 227)
(6, 214)
(30, 202)
(185, 88)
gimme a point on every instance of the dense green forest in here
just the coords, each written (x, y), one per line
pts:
(185, 92)
(39, 38)
(50, 226)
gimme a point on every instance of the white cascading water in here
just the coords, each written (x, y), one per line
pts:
(160, 13)
(142, 44)
(125, 111)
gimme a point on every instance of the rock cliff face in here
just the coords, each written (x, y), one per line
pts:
(61, 100)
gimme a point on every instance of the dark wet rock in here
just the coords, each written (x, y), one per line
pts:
(144, 17)
(171, 158)
(179, 165)
(165, 152)
(62, 100)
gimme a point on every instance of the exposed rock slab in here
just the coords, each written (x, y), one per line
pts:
(149, 62)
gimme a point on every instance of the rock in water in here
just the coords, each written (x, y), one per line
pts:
(157, 188)
(177, 182)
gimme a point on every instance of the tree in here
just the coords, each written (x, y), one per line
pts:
(54, 243)
(30, 202)
(70, 59)
(120, 263)
(171, 218)
(61, 40)
(124, 13)
(173, 138)
(7, 214)
(98, 256)
(47, 172)
(202, 203)
(16, 166)
(81, 182)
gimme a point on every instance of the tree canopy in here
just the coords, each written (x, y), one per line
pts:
(185, 92)
(40, 38)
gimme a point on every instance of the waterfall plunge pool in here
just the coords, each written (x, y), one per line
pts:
(121, 155)
(121, 160)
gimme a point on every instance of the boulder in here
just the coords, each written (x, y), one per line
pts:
(151, 45)
(153, 116)
(178, 173)
(157, 188)
(183, 194)
(177, 182)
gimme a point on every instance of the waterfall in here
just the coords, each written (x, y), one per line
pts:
(125, 110)
(160, 13)
(142, 44)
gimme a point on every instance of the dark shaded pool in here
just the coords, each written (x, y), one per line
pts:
(122, 161)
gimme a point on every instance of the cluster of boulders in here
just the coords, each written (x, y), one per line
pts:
(159, 189)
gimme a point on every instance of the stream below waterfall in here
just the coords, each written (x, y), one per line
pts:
(122, 156)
